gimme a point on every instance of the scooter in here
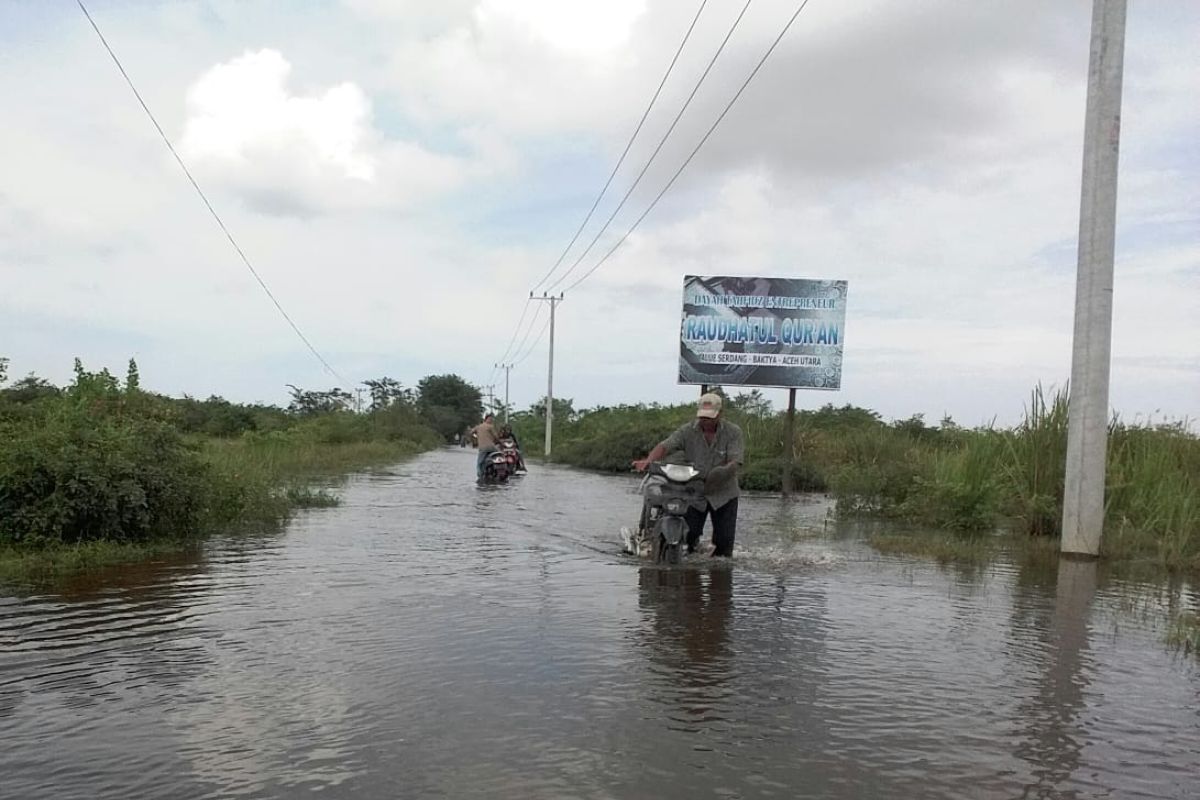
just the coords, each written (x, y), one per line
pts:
(668, 491)
(495, 468)
(516, 464)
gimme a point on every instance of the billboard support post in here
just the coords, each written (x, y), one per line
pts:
(789, 443)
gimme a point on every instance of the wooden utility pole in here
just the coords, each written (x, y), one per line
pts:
(1087, 425)
(789, 443)
(507, 369)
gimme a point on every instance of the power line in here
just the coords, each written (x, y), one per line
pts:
(529, 330)
(695, 150)
(516, 331)
(533, 346)
(203, 197)
(624, 152)
(657, 149)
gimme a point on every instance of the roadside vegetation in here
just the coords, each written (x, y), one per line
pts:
(101, 471)
(964, 494)
(1184, 632)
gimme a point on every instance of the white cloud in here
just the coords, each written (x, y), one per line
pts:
(575, 27)
(285, 152)
(242, 108)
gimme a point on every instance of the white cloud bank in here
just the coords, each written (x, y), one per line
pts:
(292, 153)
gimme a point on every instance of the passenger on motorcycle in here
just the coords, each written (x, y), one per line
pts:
(716, 448)
(506, 433)
(485, 437)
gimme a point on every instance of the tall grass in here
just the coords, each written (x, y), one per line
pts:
(1153, 501)
(962, 489)
(1034, 464)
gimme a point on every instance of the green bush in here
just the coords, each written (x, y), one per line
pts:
(876, 470)
(73, 476)
(766, 475)
(104, 462)
(962, 491)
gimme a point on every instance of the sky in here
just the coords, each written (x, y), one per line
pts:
(402, 173)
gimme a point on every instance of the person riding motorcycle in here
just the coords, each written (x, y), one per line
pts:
(717, 448)
(506, 432)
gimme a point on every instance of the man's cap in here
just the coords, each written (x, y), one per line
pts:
(710, 406)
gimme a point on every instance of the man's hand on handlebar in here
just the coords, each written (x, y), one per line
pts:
(641, 464)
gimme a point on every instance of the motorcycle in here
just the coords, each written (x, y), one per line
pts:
(516, 464)
(668, 491)
(495, 467)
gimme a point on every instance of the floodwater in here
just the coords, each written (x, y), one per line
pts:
(434, 639)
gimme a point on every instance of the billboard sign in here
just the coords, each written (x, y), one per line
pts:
(771, 332)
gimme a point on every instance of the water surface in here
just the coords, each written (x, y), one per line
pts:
(433, 639)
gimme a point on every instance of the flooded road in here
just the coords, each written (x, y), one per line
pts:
(432, 639)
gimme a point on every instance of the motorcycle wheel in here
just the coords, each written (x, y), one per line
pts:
(667, 554)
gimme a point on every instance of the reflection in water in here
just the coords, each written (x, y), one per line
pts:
(429, 638)
(690, 609)
(1053, 737)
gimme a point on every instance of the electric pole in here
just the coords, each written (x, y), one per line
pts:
(553, 301)
(491, 404)
(507, 369)
(1087, 416)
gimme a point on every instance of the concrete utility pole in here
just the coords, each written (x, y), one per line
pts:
(553, 301)
(491, 404)
(1087, 427)
(507, 369)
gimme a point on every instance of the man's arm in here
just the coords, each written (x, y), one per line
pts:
(668, 445)
(656, 454)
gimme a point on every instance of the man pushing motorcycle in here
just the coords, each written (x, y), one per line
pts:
(486, 437)
(716, 448)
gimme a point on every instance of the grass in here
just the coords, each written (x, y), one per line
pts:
(940, 546)
(308, 497)
(277, 457)
(44, 565)
(1184, 632)
(968, 547)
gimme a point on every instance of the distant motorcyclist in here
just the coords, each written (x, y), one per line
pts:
(486, 436)
(716, 448)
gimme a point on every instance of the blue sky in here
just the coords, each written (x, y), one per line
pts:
(402, 172)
